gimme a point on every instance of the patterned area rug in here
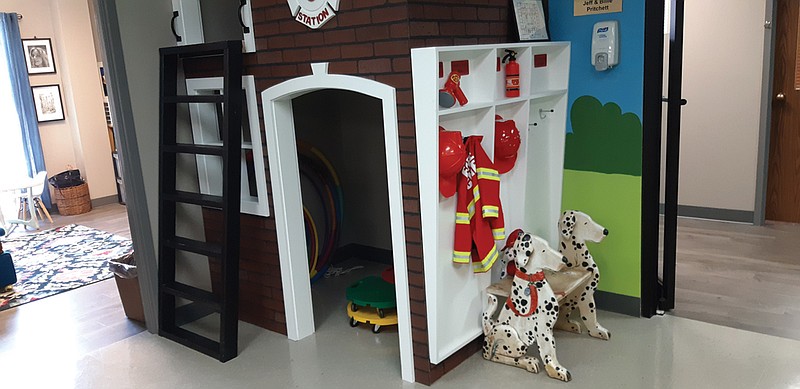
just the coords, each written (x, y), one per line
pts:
(57, 260)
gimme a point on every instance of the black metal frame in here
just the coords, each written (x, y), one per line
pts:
(224, 301)
(674, 104)
(651, 152)
(658, 294)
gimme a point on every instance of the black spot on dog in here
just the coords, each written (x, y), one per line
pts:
(591, 305)
(564, 245)
(585, 264)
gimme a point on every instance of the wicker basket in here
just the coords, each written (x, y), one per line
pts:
(73, 200)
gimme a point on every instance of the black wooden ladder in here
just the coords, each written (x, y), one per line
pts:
(223, 301)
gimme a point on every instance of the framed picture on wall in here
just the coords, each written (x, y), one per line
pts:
(530, 19)
(39, 56)
(47, 100)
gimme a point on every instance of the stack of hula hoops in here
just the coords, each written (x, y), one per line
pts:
(324, 228)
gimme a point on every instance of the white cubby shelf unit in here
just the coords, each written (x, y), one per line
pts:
(530, 192)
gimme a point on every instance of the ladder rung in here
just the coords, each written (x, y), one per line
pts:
(204, 200)
(189, 148)
(196, 342)
(191, 293)
(199, 50)
(193, 99)
(194, 246)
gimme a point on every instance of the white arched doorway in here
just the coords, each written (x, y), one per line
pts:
(288, 204)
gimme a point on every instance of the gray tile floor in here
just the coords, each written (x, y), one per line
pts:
(663, 352)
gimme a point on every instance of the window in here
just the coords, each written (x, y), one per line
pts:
(206, 126)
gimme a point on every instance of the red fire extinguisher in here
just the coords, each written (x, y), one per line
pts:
(512, 73)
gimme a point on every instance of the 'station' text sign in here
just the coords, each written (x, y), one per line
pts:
(594, 7)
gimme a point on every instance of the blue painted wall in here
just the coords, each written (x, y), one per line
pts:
(602, 175)
(624, 83)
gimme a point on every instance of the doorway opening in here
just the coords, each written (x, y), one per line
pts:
(350, 125)
(725, 256)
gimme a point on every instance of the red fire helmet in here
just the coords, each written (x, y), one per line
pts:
(506, 144)
(452, 156)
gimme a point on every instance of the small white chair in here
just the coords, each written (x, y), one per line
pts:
(30, 201)
(36, 191)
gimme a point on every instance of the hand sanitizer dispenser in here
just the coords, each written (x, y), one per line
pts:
(605, 45)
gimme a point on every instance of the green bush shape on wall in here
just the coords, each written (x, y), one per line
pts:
(603, 139)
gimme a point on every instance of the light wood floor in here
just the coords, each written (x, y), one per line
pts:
(74, 322)
(738, 275)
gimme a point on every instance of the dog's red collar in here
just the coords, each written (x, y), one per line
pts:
(530, 278)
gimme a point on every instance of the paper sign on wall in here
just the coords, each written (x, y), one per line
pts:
(595, 7)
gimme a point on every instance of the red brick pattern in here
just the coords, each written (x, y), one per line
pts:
(371, 39)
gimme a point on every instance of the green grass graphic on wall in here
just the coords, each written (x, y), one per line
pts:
(603, 139)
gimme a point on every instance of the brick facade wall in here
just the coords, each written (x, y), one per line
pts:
(370, 39)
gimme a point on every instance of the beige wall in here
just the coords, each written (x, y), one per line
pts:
(81, 140)
(722, 70)
(144, 27)
(143, 30)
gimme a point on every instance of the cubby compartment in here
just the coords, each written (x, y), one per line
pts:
(549, 69)
(530, 192)
(545, 165)
(523, 57)
(473, 122)
(474, 66)
(512, 198)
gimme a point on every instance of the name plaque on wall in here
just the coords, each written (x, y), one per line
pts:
(596, 7)
(313, 13)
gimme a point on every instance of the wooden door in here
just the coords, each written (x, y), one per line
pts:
(783, 180)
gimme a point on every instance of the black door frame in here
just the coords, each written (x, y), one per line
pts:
(659, 294)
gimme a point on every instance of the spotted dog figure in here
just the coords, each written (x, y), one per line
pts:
(575, 229)
(530, 311)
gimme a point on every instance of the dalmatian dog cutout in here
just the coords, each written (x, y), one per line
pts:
(530, 312)
(575, 229)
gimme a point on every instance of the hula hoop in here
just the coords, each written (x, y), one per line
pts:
(310, 226)
(332, 226)
(323, 177)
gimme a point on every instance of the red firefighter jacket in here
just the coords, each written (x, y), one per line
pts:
(479, 215)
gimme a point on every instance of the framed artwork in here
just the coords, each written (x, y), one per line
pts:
(531, 20)
(47, 100)
(39, 56)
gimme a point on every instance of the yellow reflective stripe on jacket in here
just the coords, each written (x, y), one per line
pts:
(485, 173)
(486, 263)
(491, 211)
(462, 218)
(499, 233)
(461, 256)
(471, 209)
